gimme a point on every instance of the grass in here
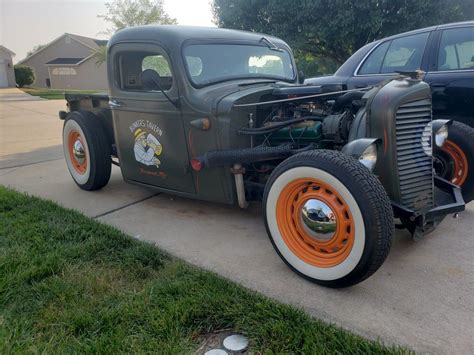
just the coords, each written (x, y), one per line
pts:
(52, 94)
(69, 284)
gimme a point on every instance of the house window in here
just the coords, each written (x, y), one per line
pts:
(64, 71)
(68, 40)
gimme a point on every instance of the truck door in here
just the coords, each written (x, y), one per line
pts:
(148, 128)
(451, 75)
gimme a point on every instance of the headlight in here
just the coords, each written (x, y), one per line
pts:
(369, 157)
(441, 135)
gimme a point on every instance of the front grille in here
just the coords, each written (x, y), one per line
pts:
(414, 154)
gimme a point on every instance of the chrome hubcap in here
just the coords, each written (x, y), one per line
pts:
(79, 152)
(318, 220)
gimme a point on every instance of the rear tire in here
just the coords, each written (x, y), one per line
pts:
(303, 197)
(454, 161)
(87, 150)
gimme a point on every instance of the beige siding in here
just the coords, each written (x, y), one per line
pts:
(6, 60)
(89, 76)
(59, 49)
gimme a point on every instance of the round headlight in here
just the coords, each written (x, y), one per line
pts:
(441, 135)
(369, 157)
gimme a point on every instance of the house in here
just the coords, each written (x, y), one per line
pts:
(68, 62)
(7, 73)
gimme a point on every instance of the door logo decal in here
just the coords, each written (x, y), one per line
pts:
(147, 147)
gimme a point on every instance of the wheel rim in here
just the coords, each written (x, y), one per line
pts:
(326, 243)
(460, 165)
(77, 152)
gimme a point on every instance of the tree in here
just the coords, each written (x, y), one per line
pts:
(35, 49)
(24, 75)
(100, 55)
(127, 13)
(333, 30)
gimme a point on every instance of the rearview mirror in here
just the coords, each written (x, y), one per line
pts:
(150, 79)
(301, 77)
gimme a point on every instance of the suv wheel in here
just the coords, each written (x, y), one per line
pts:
(454, 161)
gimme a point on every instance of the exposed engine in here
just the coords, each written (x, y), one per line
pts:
(322, 121)
(290, 125)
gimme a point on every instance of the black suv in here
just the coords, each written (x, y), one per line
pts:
(445, 53)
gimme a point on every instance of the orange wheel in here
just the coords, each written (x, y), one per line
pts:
(77, 152)
(328, 217)
(87, 150)
(460, 164)
(315, 222)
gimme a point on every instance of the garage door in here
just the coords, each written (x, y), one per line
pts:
(3, 74)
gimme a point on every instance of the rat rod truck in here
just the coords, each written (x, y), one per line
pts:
(221, 115)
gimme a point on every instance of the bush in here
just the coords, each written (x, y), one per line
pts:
(24, 75)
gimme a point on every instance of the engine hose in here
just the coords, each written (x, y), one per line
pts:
(277, 126)
(345, 99)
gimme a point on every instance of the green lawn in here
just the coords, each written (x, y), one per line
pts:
(51, 94)
(69, 284)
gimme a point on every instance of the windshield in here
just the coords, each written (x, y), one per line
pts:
(210, 63)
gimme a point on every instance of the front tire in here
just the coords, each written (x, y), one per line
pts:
(454, 161)
(87, 150)
(328, 217)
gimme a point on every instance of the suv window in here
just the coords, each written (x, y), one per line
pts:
(401, 54)
(133, 63)
(456, 50)
(405, 54)
(374, 62)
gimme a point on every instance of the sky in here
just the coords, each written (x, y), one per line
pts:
(27, 23)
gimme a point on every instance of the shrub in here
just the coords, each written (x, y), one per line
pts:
(24, 75)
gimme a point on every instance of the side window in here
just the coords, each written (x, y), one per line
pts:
(456, 49)
(157, 63)
(132, 64)
(405, 54)
(373, 63)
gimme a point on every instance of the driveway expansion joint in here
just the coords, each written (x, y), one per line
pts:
(125, 206)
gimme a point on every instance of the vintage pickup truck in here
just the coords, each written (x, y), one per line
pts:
(219, 115)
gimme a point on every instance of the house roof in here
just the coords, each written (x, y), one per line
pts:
(5, 49)
(91, 43)
(101, 42)
(65, 61)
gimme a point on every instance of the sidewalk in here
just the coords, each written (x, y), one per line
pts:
(14, 94)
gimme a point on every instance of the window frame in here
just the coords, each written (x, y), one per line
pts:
(437, 47)
(117, 52)
(390, 40)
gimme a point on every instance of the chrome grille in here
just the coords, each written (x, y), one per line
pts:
(414, 154)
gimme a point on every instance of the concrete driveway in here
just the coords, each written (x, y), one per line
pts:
(422, 297)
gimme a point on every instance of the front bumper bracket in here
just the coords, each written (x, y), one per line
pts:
(420, 223)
